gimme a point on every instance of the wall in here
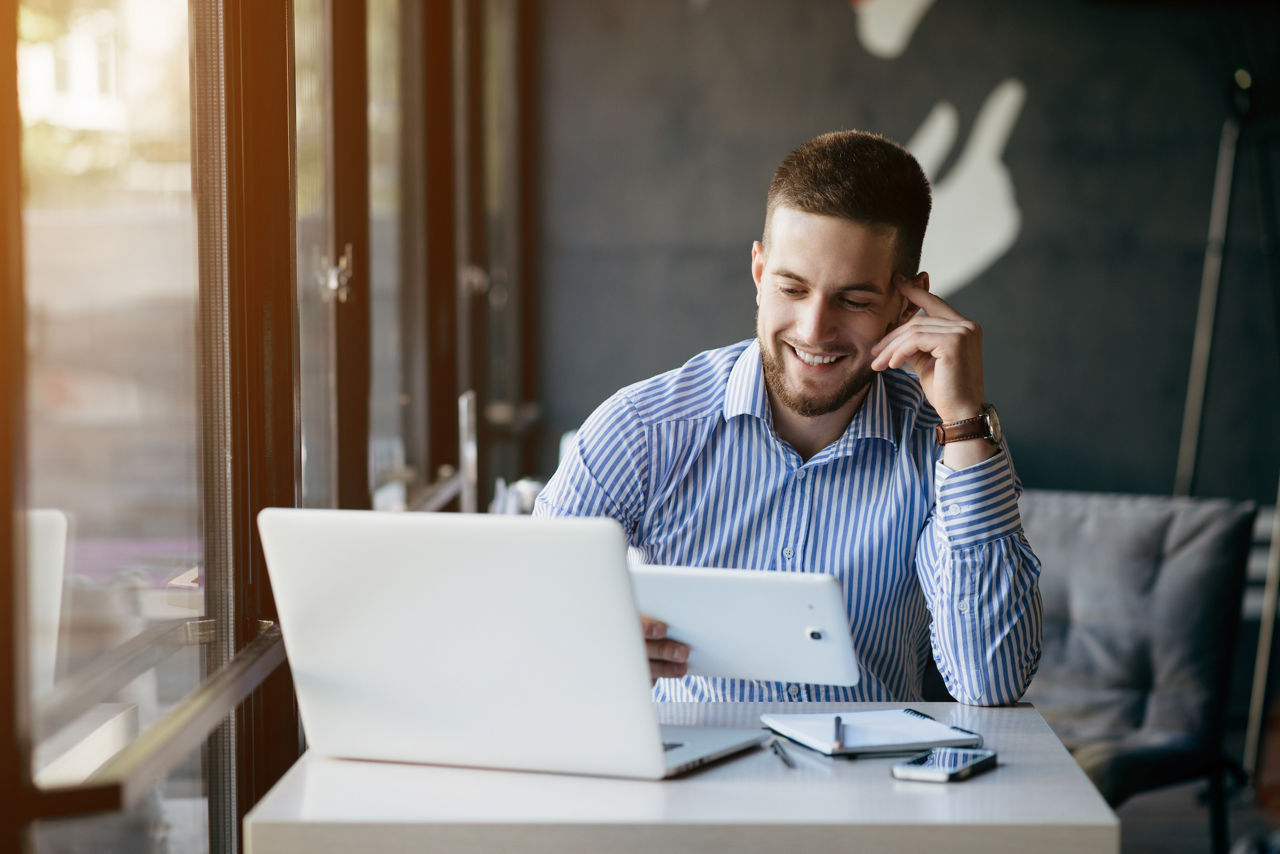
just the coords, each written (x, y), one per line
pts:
(1080, 192)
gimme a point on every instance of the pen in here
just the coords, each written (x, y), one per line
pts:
(782, 754)
(837, 742)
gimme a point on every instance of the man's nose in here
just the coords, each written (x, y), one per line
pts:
(817, 321)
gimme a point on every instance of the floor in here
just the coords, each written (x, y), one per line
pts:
(1176, 821)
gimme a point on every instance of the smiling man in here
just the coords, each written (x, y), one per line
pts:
(851, 437)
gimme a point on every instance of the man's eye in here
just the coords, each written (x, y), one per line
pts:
(853, 303)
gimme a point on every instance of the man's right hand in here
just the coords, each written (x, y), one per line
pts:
(666, 657)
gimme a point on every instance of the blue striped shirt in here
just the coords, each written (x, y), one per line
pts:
(932, 561)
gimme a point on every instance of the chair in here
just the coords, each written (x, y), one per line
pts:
(1142, 598)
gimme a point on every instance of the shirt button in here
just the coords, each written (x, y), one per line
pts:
(793, 691)
(953, 509)
(963, 607)
(788, 552)
(800, 474)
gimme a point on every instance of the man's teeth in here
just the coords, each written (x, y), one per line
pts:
(814, 360)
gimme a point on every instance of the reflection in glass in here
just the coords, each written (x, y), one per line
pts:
(386, 421)
(113, 469)
(315, 256)
(46, 541)
(172, 819)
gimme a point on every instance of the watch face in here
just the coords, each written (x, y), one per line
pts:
(993, 420)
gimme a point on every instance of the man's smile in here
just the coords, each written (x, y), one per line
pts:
(814, 359)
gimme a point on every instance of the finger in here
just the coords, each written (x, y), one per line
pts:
(666, 650)
(667, 670)
(924, 324)
(938, 346)
(897, 356)
(934, 305)
(652, 628)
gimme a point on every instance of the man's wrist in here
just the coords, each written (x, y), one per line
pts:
(985, 425)
(961, 413)
(967, 453)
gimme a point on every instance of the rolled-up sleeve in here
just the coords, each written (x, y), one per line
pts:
(981, 581)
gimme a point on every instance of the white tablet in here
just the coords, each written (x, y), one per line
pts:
(752, 624)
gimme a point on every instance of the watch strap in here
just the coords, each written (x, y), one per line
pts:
(976, 427)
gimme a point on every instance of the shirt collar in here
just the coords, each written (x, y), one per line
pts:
(745, 395)
(873, 420)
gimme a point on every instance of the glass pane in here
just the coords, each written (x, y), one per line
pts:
(386, 421)
(172, 819)
(315, 256)
(113, 474)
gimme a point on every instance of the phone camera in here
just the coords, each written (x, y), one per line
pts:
(815, 634)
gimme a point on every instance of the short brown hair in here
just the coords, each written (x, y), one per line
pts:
(858, 176)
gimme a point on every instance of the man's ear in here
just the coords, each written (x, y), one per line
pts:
(757, 266)
(910, 309)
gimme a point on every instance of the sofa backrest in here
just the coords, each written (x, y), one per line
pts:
(1142, 598)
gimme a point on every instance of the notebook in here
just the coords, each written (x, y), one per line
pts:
(877, 731)
(473, 640)
(751, 624)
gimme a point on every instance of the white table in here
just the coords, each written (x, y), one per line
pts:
(1038, 800)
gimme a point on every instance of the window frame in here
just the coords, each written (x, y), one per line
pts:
(256, 58)
(258, 387)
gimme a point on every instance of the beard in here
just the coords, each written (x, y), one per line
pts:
(810, 406)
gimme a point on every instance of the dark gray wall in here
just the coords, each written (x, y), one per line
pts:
(661, 122)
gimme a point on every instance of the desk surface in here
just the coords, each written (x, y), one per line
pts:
(1037, 800)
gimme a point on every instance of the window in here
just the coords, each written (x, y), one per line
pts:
(389, 396)
(322, 282)
(144, 438)
(114, 526)
(214, 202)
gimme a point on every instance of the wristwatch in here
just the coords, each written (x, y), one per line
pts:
(984, 425)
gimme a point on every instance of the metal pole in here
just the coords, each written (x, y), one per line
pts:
(209, 181)
(1210, 278)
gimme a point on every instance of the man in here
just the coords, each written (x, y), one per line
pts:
(810, 449)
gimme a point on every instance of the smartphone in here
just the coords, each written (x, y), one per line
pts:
(945, 764)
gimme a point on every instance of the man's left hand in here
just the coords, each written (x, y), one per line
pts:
(940, 346)
(943, 348)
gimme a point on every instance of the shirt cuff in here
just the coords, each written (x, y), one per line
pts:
(978, 504)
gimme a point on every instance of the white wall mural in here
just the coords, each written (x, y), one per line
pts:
(885, 27)
(975, 217)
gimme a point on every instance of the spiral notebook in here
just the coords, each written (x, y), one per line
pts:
(877, 731)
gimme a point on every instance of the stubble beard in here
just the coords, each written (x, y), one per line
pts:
(775, 378)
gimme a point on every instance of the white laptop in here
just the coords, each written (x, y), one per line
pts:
(473, 640)
(752, 624)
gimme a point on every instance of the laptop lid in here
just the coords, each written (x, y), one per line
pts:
(478, 640)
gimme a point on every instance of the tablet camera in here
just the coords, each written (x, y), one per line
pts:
(815, 634)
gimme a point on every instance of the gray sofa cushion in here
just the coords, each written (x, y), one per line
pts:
(1141, 603)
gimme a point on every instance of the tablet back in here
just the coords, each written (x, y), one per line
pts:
(752, 624)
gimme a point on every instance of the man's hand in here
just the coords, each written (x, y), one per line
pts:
(944, 349)
(666, 657)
